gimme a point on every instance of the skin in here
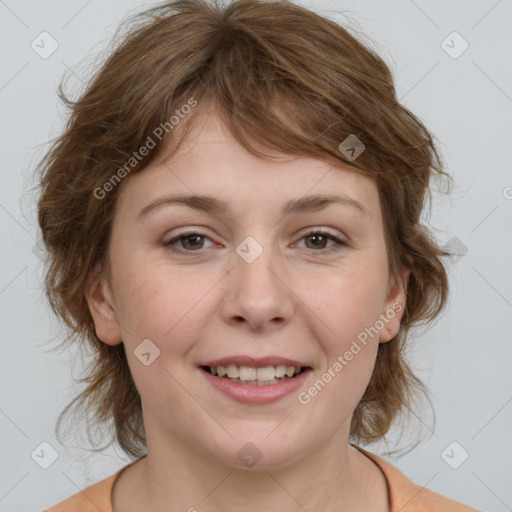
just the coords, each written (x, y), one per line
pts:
(297, 300)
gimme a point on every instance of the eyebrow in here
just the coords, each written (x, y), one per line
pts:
(212, 205)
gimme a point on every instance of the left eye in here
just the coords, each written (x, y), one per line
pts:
(319, 235)
(191, 241)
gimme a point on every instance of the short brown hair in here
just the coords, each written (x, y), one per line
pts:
(248, 59)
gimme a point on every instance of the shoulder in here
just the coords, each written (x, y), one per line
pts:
(406, 496)
(95, 498)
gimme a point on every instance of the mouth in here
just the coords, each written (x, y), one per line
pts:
(255, 384)
(252, 375)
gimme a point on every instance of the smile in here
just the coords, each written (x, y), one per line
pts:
(254, 376)
(255, 384)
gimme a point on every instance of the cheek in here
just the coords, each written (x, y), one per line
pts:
(350, 341)
(147, 304)
(350, 301)
(347, 332)
(159, 309)
(165, 305)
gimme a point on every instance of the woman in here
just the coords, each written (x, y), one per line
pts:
(233, 220)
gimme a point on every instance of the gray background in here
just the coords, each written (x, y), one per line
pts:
(465, 358)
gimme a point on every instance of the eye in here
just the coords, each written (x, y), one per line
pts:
(318, 239)
(192, 242)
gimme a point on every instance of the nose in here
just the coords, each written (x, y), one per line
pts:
(256, 292)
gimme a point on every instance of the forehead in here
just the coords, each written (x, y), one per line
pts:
(210, 162)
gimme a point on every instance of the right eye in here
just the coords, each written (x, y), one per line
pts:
(192, 239)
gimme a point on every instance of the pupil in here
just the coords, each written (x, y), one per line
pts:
(188, 237)
(318, 239)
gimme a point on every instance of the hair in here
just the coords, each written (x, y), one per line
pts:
(277, 74)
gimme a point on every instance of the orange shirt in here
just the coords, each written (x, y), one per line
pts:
(405, 495)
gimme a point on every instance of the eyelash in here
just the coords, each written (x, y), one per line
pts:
(340, 244)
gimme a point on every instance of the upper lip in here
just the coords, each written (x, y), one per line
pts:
(254, 361)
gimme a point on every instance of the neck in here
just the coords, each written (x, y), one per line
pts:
(180, 479)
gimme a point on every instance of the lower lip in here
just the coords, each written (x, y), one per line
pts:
(249, 394)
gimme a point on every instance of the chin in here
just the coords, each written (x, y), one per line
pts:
(257, 452)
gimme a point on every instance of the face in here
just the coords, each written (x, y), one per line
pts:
(249, 285)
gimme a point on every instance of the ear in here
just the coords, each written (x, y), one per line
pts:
(101, 306)
(394, 306)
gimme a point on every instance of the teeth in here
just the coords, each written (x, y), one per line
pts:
(257, 382)
(247, 373)
(290, 370)
(267, 373)
(232, 371)
(280, 371)
(255, 376)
